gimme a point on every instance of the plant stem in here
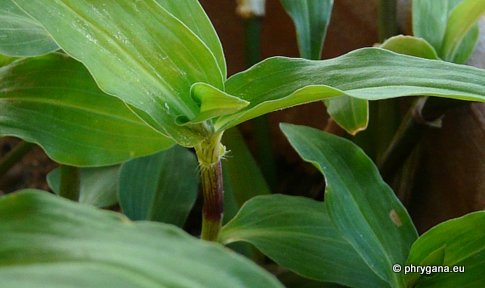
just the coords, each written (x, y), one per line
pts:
(70, 182)
(387, 19)
(14, 156)
(209, 154)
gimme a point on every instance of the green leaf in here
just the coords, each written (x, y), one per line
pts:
(448, 25)
(137, 51)
(409, 45)
(311, 18)
(361, 205)
(461, 19)
(243, 179)
(463, 242)
(20, 35)
(5, 60)
(191, 13)
(298, 234)
(53, 101)
(350, 113)
(59, 243)
(369, 73)
(161, 187)
(99, 186)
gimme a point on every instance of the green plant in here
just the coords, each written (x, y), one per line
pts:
(151, 74)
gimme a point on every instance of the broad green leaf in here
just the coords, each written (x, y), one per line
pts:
(191, 13)
(409, 45)
(463, 241)
(311, 18)
(21, 36)
(99, 186)
(461, 19)
(369, 73)
(243, 179)
(298, 234)
(161, 187)
(48, 241)
(136, 51)
(360, 204)
(54, 102)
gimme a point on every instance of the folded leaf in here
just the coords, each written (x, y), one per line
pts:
(352, 114)
(311, 18)
(59, 243)
(53, 101)
(162, 187)
(361, 205)
(463, 243)
(22, 36)
(298, 234)
(99, 186)
(368, 73)
(136, 51)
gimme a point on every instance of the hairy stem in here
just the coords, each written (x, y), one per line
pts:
(209, 154)
(14, 156)
(70, 182)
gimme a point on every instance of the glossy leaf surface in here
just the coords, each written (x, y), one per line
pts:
(137, 51)
(311, 18)
(161, 187)
(368, 73)
(298, 234)
(20, 35)
(463, 243)
(58, 243)
(99, 186)
(53, 101)
(361, 205)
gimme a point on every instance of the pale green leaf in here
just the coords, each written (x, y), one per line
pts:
(311, 18)
(53, 242)
(161, 187)
(361, 205)
(137, 51)
(243, 178)
(409, 45)
(53, 101)
(467, 46)
(191, 13)
(5, 60)
(99, 186)
(21, 36)
(369, 73)
(298, 234)
(352, 114)
(463, 242)
(461, 19)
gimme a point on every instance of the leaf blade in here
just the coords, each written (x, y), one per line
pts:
(53, 101)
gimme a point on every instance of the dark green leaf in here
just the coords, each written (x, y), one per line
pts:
(463, 243)
(52, 242)
(243, 179)
(361, 205)
(99, 186)
(53, 101)
(20, 35)
(298, 234)
(162, 187)
(311, 18)
(137, 51)
(368, 73)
